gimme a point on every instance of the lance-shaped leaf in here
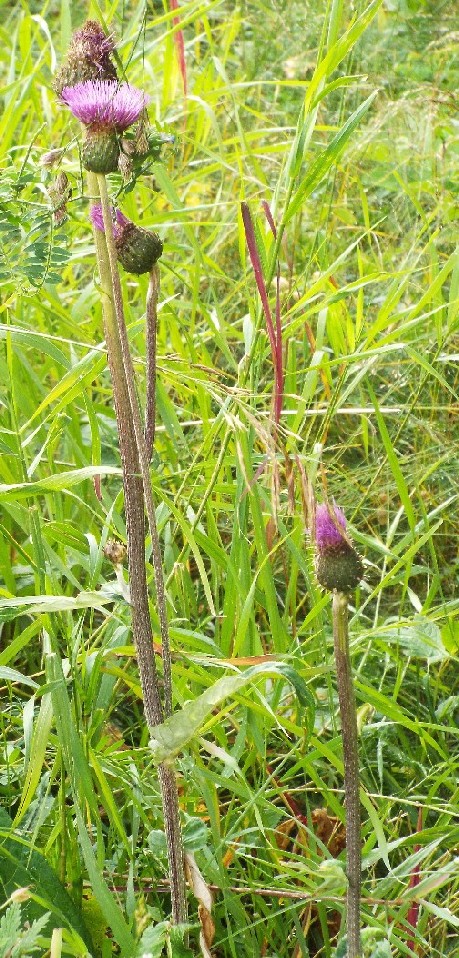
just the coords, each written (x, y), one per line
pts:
(324, 162)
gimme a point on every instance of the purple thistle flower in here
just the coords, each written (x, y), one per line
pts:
(105, 104)
(330, 525)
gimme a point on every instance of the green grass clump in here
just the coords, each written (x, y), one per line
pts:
(343, 123)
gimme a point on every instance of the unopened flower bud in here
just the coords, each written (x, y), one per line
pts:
(338, 566)
(20, 895)
(50, 159)
(125, 166)
(100, 151)
(61, 183)
(59, 193)
(138, 249)
(115, 551)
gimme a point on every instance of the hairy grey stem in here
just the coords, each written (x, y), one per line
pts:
(151, 334)
(138, 495)
(346, 696)
(141, 447)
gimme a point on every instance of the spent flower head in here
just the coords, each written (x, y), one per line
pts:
(138, 249)
(338, 565)
(88, 57)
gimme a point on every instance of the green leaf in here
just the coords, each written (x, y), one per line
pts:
(392, 457)
(82, 786)
(37, 604)
(22, 866)
(171, 736)
(420, 639)
(382, 949)
(152, 941)
(11, 492)
(12, 675)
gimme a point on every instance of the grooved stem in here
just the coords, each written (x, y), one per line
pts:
(151, 318)
(138, 496)
(348, 713)
(140, 442)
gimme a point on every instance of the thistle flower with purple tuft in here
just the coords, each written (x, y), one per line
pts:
(105, 104)
(138, 249)
(107, 108)
(338, 565)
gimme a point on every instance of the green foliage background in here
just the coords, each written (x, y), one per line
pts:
(369, 304)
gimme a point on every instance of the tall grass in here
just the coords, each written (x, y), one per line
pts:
(343, 124)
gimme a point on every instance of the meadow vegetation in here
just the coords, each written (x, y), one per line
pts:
(340, 121)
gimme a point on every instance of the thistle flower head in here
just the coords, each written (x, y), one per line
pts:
(105, 104)
(91, 42)
(138, 250)
(338, 566)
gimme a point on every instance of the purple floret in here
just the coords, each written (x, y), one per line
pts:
(330, 520)
(105, 103)
(97, 218)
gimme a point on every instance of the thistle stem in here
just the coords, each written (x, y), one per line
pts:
(151, 317)
(138, 496)
(348, 713)
(140, 442)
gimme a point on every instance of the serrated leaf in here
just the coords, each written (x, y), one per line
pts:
(152, 941)
(382, 949)
(420, 639)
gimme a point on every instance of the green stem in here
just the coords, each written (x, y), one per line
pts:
(348, 713)
(138, 496)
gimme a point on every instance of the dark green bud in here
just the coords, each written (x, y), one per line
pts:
(339, 569)
(138, 249)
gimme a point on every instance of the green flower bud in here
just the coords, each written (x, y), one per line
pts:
(138, 249)
(100, 151)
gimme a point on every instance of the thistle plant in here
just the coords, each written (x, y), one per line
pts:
(87, 84)
(339, 569)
